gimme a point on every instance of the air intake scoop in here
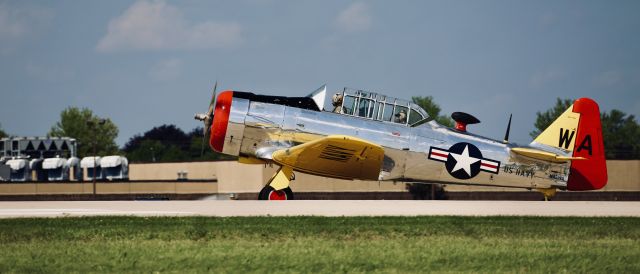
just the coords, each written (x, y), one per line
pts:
(463, 119)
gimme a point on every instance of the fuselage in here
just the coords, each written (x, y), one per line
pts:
(426, 153)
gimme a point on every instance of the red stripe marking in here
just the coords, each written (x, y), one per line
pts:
(438, 154)
(489, 165)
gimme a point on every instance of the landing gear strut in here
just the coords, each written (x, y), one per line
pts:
(548, 193)
(278, 186)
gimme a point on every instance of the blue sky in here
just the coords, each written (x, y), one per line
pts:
(147, 63)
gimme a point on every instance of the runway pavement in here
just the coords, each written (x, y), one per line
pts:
(316, 208)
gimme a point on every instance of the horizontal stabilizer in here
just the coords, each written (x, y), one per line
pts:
(544, 155)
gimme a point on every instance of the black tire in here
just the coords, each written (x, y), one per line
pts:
(267, 193)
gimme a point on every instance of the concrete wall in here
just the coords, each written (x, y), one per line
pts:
(108, 188)
(242, 178)
(234, 177)
(623, 175)
(169, 171)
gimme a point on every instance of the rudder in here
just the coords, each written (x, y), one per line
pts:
(588, 174)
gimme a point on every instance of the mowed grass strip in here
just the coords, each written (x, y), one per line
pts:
(320, 244)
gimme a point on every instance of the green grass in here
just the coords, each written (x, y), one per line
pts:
(318, 244)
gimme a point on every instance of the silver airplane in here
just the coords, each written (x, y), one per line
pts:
(369, 136)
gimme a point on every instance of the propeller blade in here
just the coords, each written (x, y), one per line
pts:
(208, 118)
(205, 133)
(213, 97)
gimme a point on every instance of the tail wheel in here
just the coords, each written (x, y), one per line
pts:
(268, 193)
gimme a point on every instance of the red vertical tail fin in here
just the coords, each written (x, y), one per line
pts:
(589, 174)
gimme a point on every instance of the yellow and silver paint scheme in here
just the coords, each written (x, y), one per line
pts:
(260, 132)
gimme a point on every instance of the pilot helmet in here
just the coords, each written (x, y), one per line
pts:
(401, 113)
(337, 99)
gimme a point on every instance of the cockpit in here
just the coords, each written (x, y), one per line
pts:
(378, 107)
(352, 102)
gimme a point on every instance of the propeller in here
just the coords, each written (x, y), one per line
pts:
(207, 118)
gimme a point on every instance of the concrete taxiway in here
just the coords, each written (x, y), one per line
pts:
(316, 208)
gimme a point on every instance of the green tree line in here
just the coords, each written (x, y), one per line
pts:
(88, 130)
(168, 143)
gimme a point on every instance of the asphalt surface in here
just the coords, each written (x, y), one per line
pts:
(316, 208)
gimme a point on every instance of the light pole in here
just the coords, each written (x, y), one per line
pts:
(153, 155)
(92, 126)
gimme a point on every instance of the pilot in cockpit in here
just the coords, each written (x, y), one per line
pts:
(401, 117)
(337, 103)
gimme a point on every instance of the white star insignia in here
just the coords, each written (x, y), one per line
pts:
(463, 161)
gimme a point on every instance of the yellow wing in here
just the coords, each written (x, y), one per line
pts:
(337, 156)
(544, 155)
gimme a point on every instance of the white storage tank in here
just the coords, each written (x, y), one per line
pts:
(75, 172)
(19, 170)
(5, 172)
(57, 169)
(115, 167)
(37, 172)
(90, 163)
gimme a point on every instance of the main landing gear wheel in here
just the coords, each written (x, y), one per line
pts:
(268, 193)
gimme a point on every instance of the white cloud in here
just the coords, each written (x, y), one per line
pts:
(16, 23)
(165, 70)
(157, 25)
(354, 18)
(9, 24)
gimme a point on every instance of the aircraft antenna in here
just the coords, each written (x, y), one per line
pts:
(506, 135)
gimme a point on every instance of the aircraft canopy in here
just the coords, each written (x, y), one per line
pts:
(379, 107)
